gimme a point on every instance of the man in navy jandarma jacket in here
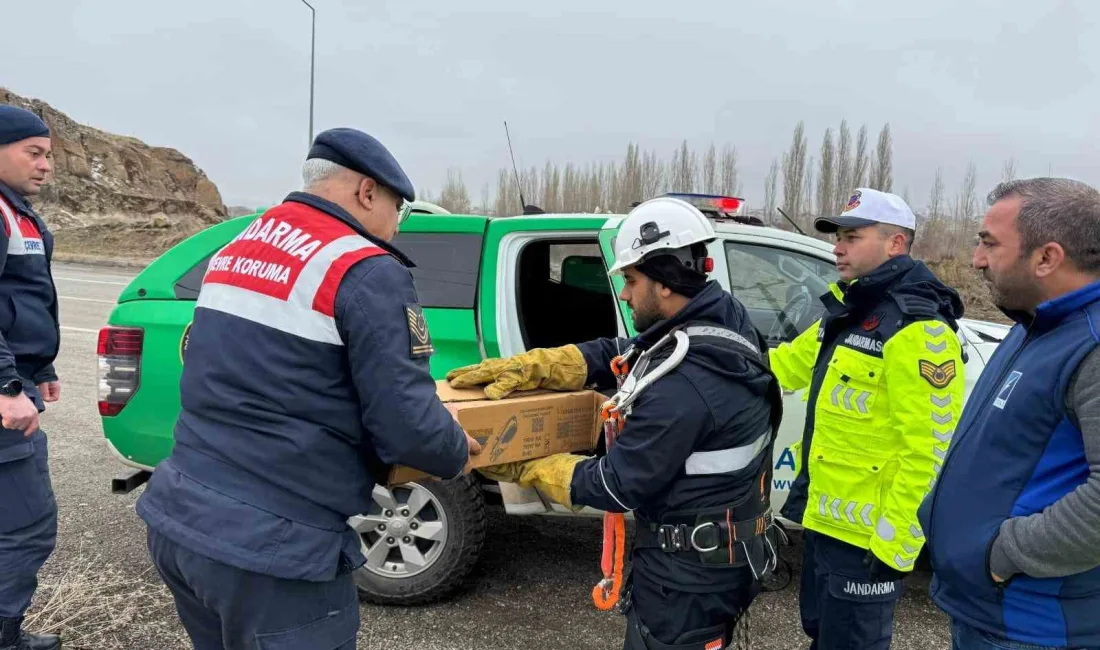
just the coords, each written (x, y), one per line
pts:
(1013, 524)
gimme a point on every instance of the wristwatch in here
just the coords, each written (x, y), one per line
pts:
(12, 388)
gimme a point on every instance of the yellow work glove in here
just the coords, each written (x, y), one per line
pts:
(550, 475)
(561, 368)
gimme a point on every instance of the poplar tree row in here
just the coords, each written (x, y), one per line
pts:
(802, 184)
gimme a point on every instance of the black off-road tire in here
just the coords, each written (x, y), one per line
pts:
(464, 504)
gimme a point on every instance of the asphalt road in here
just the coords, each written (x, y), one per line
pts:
(530, 589)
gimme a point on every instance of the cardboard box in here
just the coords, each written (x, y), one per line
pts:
(525, 425)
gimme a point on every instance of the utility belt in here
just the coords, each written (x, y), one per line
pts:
(716, 537)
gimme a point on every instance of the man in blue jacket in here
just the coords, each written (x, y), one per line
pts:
(306, 377)
(29, 341)
(693, 460)
(1013, 524)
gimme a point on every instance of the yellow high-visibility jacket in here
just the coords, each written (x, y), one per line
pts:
(886, 384)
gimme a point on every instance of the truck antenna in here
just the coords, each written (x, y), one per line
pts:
(522, 202)
(791, 220)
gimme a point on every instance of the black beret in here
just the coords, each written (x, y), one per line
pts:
(360, 152)
(19, 124)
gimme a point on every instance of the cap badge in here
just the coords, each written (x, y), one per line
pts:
(853, 202)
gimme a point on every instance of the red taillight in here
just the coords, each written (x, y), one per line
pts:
(119, 352)
(120, 341)
(708, 266)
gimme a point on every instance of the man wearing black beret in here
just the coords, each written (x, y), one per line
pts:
(306, 378)
(29, 341)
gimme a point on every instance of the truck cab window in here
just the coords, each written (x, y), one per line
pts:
(781, 288)
(447, 265)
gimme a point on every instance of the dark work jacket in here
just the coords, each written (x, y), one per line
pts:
(29, 331)
(715, 399)
(294, 408)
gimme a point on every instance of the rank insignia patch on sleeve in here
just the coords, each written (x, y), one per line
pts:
(938, 375)
(420, 340)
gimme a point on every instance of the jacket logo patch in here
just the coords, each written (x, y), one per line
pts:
(420, 339)
(1007, 388)
(939, 376)
(863, 342)
(872, 322)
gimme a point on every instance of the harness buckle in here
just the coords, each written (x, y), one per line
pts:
(714, 534)
(673, 538)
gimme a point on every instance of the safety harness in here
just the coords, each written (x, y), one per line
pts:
(739, 534)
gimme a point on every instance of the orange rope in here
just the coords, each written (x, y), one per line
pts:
(605, 594)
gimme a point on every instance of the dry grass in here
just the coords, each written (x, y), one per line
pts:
(140, 243)
(962, 277)
(95, 604)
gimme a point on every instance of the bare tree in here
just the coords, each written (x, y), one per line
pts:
(484, 207)
(593, 189)
(530, 180)
(455, 198)
(826, 175)
(730, 185)
(882, 166)
(770, 189)
(905, 197)
(844, 167)
(609, 188)
(683, 169)
(709, 181)
(653, 176)
(569, 189)
(794, 172)
(859, 173)
(630, 178)
(935, 198)
(1008, 171)
(506, 199)
(808, 193)
(966, 202)
(551, 189)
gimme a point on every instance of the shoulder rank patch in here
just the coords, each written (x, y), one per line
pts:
(938, 375)
(420, 340)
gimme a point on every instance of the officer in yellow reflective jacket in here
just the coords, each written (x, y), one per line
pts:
(883, 373)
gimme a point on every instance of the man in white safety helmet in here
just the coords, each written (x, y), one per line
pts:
(693, 459)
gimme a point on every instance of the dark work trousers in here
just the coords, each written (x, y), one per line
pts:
(841, 607)
(28, 518)
(659, 618)
(223, 607)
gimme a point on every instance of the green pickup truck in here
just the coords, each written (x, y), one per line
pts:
(490, 287)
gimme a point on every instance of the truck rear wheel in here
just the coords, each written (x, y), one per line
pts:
(421, 540)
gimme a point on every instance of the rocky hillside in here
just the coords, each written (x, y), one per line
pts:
(104, 183)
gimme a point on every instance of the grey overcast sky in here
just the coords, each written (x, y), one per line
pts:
(227, 81)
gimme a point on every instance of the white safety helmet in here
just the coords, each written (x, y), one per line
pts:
(661, 224)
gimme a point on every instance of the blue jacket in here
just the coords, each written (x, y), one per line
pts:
(29, 331)
(305, 378)
(713, 400)
(1014, 453)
